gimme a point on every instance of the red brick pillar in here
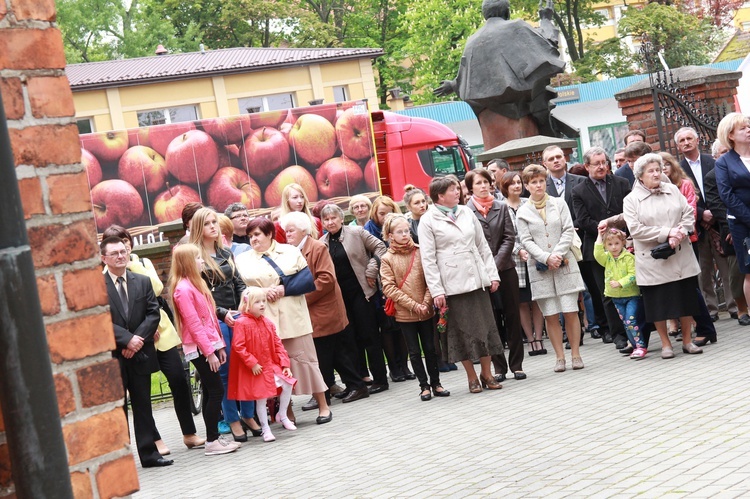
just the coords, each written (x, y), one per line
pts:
(55, 195)
(712, 85)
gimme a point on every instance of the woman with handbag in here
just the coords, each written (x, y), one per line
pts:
(410, 302)
(547, 233)
(659, 219)
(263, 267)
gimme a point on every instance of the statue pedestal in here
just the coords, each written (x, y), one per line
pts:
(521, 152)
(497, 129)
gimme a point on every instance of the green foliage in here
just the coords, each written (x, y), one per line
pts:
(684, 39)
(610, 58)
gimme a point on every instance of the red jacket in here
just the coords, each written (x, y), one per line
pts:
(255, 341)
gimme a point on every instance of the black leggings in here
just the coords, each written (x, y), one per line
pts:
(170, 363)
(213, 392)
(414, 333)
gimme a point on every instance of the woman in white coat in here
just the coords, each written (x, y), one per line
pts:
(546, 230)
(460, 273)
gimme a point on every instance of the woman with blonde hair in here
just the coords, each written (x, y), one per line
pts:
(382, 206)
(202, 343)
(294, 198)
(221, 276)
(676, 175)
(227, 231)
(359, 207)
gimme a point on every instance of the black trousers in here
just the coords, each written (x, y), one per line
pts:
(605, 313)
(414, 334)
(394, 345)
(363, 320)
(213, 392)
(337, 351)
(138, 386)
(170, 363)
(511, 310)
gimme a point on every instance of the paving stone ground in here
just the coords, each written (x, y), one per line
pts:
(618, 428)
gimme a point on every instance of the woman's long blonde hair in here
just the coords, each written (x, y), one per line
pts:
(285, 208)
(676, 173)
(212, 269)
(184, 267)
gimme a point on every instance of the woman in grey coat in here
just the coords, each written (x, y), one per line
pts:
(546, 230)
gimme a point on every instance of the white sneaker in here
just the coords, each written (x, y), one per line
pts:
(221, 446)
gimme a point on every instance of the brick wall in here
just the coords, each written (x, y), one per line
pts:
(61, 230)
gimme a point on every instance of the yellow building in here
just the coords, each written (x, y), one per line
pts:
(170, 88)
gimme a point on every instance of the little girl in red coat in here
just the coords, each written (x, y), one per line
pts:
(264, 368)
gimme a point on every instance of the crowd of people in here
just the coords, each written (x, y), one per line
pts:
(269, 307)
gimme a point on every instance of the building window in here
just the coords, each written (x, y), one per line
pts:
(341, 93)
(85, 125)
(746, 26)
(608, 137)
(167, 115)
(266, 103)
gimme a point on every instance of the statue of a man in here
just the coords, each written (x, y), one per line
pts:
(505, 70)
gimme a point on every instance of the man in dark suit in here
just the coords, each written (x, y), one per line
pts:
(135, 317)
(598, 197)
(696, 166)
(560, 183)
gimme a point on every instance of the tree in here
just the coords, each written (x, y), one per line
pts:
(683, 39)
(719, 12)
(610, 58)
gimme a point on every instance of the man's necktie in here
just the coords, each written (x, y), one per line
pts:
(123, 294)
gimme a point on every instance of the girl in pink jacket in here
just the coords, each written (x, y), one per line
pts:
(202, 342)
(263, 371)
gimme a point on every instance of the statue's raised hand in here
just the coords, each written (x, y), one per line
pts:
(447, 87)
(546, 10)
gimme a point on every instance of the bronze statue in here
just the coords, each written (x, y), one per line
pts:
(505, 74)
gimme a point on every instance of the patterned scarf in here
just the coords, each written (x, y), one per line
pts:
(402, 249)
(483, 205)
(541, 206)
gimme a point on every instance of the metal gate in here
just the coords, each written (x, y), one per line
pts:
(675, 107)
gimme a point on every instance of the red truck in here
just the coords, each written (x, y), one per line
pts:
(145, 176)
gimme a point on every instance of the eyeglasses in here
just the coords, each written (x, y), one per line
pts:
(241, 215)
(401, 232)
(118, 253)
(602, 163)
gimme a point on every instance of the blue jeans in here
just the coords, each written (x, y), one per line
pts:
(631, 314)
(588, 307)
(229, 407)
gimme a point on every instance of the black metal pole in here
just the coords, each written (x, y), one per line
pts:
(39, 461)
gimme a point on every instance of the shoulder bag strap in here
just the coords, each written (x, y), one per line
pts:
(275, 267)
(411, 264)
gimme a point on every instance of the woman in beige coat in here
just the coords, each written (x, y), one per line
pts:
(403, 282)
(546, 230)
(288, 313)
(461, 273)
(656, 212)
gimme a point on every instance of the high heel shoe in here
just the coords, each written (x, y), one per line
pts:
(704, 341)
(534, 351)
(542, 350)
(474, 386)
(247, 427)
(490, 383)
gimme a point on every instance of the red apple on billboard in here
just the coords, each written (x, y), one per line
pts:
(116, 202)
(338, 177)
(160, 136)
(285, 128)
(268, 118)
(138, 137)
(106, 146)
(294, 174)
(264, 153)
(231, 185)
(144, 168)
(371, 175)
(354, 134)
(93, 168)
(169, 204)
(193, 157)
(313, 139)
(327, 111)
(232, 130)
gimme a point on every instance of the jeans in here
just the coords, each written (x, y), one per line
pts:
(229, 407)
(588, 306)
(631, 313)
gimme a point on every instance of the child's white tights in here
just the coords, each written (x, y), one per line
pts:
(284, 399)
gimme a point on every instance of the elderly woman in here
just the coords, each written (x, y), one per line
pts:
(546, 230)
(356, 254)
(360, 207)
(497, 226)
(460, 274)
(334, 342)
(733, 181)
(288, 313)
(656, 212)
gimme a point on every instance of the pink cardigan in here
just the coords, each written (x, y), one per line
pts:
(687, 190)
(199, 326)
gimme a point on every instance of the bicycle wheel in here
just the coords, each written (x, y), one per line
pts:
(196, 389)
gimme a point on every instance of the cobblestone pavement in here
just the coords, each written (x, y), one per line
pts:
(620, 427)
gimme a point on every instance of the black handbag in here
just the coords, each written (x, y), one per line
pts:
(297, 284)
(662, 251)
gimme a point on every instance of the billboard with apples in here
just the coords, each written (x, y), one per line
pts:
(145, 176)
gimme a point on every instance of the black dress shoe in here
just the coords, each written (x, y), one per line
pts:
(705, 340)
(607, 338)
(410, 375)
(361, 393)
(595, 334)
(714, 317)
(158, 463)
(342, 395)
(744, 320)
(500, 378)
(519, 375)
(310, 405)
(627, 350)
(324, 419)
(397, 378)
(621, 345)
(375, 388)
(240, 438)
(733, 315)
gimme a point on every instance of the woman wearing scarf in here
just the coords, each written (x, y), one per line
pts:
(497, 226)
(546, 230)
(656, 212)
(460, 274)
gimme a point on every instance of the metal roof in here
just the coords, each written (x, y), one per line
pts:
(121, 72)
(444, 112)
